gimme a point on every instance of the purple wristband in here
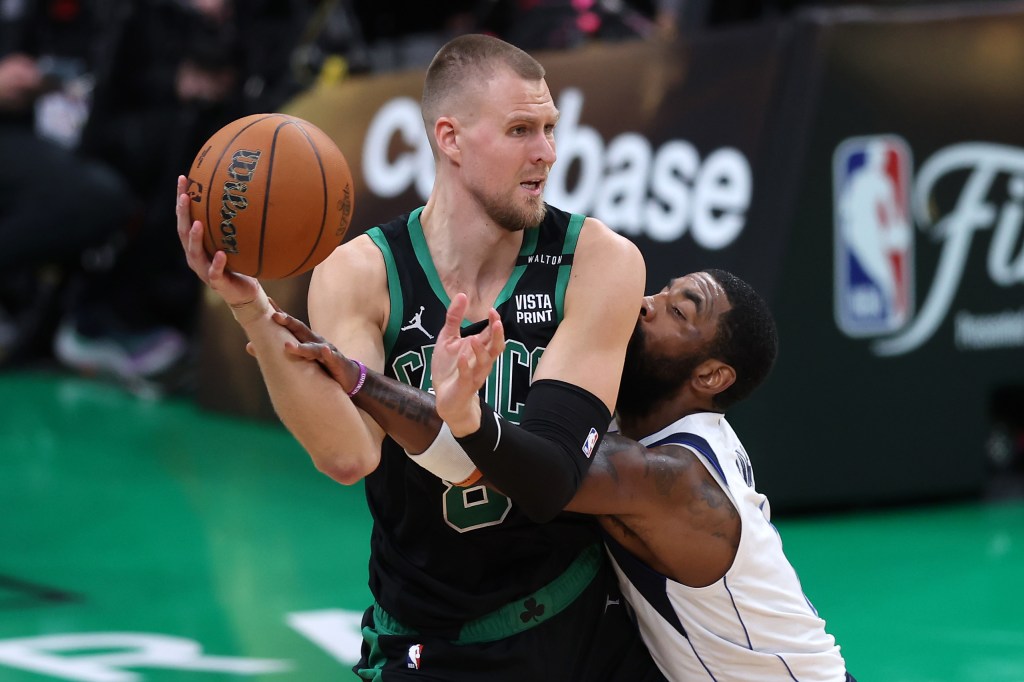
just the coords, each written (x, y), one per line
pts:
(362, 379)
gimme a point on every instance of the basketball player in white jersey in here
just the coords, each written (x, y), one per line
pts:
(689, 535)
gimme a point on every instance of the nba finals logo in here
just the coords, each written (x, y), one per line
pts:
(874, 237)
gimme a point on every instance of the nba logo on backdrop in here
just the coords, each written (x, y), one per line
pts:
(874, 236)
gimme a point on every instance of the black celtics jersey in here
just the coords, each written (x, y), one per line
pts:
(442, 555)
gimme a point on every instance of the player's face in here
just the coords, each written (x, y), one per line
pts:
(682, 318)
(508, 148)
(671, 339)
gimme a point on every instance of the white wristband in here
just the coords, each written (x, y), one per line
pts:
(445, 458)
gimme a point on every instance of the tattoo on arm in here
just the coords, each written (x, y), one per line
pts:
(712, 495)
(663, 472)
(624, 462)
(614, 448)
(679, 473)
(407, 414)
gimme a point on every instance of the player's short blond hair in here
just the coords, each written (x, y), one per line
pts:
(462, 64)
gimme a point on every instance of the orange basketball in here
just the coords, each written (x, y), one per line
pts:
(273, 192)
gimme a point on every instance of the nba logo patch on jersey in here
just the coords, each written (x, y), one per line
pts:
(590, 442)
(874, 237)
(413, 659)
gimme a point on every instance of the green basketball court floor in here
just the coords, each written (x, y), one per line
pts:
(146, 540)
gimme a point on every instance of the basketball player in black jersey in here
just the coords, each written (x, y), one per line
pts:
(468, 585)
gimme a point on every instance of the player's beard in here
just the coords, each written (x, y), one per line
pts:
(513, 215)
(649, 379)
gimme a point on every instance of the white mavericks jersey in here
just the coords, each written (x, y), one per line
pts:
(754, 624)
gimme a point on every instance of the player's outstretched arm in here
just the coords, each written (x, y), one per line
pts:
(665, 506)
(406, 413)
(343, 443)
(627, 478)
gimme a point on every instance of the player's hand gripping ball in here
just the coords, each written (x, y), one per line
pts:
(273, 192)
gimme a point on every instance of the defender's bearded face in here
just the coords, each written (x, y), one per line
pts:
(649, 379)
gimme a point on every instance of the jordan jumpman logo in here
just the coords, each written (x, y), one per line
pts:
(415, 323)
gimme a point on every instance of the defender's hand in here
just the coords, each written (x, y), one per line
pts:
(309, 345)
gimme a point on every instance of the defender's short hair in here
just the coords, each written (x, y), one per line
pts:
(746, 338)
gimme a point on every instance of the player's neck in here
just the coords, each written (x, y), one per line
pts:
(637, 426)
(472, 255)
(464, 227)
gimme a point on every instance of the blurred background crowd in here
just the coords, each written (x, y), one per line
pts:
(104, 102)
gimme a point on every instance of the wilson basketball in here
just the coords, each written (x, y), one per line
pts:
(273, 192)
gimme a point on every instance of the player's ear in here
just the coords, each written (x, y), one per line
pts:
(446, 135)
(712, 376)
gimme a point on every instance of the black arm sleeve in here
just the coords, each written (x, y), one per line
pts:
(540, 463)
